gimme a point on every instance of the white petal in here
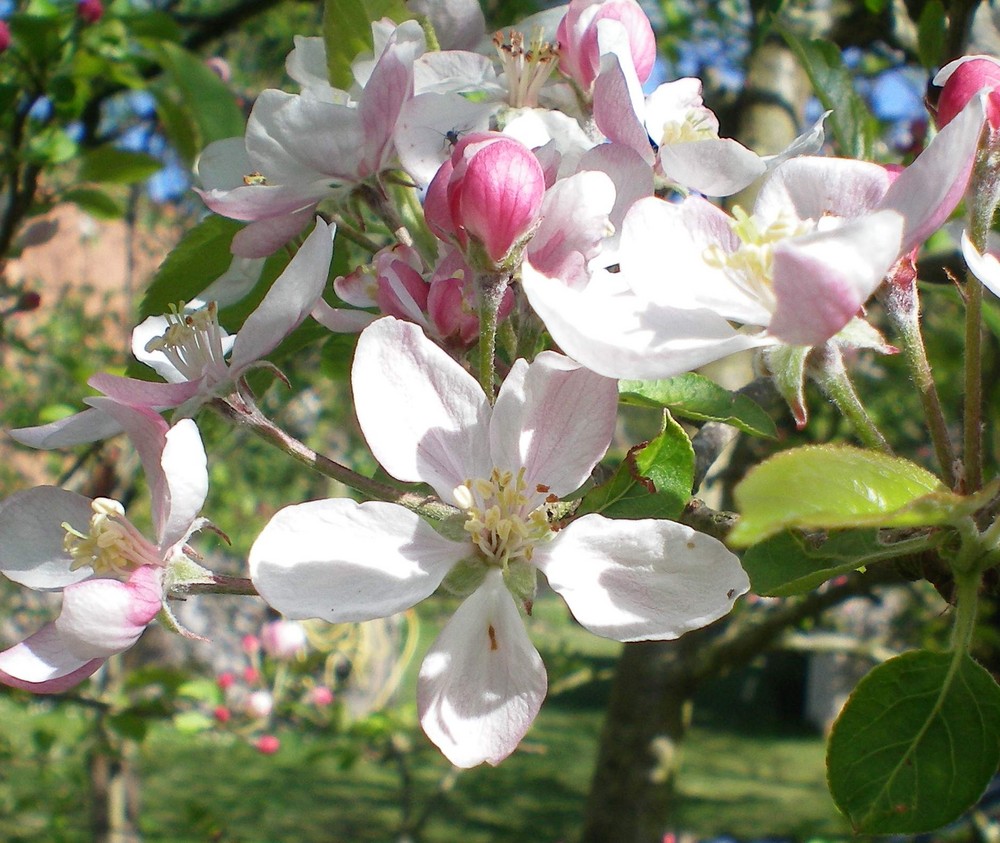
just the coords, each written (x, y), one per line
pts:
(289, 301)
(31, 537)
(42, 664)
(88, 426)
(641, 580)
(341, 320)
(185, 471)
(343, 561)
(482, 682)
(556, 419)
(715, 167)
(985, 267)
(425, 417)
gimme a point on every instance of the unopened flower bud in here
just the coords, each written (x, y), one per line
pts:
(961, 80)
(90, 11)
(4, 35)
(579, 51)
(222, 714)
(283, 640)
(259, 704)
(250, 644)
(267, 744)
(320, 696)
(225, 681)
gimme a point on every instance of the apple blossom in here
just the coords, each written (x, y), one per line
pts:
(113, 579)
(283, 640)
(426, 419)
(194, 354)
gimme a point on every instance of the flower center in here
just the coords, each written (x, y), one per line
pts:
(751, 265)
(697, 125)
(526, 69)
(502, 517)
(112, 545)
(192, 341)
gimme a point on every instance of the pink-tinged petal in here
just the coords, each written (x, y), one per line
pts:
(482, 682)
(88, 426)
(616, 333)
(425, 418)
(815, 188)
(185, 473)
(985, 267)
(138, 393)
(289, 301)
(555, 419)
(102, 617)
(340, 320)
(266, 201)
(822, 279)
(962, 80)
(223, 164)
(618, 108)
(674, 103)
(575, 221)
(927, 191)
(630, 174)
(344, 561)
(427, 125)
(31, 537)
(263, 237)
(43, 665)
(719, 167)
(641, 580)
(390, 85)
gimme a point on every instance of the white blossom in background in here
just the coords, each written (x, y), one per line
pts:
(427, 420)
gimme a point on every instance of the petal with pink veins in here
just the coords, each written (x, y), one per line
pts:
(482, 682)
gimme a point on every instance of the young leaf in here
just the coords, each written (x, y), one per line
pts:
(653, 481)
(347, 31)
(118, 166)
(828, 487)
(697, 398)
(916, 744)
(932, 31)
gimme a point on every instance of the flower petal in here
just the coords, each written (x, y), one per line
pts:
(554, 418)
(985, 267)
(343, 561)
(425, 417)
(31, 537)
(42, 664)
(641, 580)
(88, 426)
(185, 472)
(482, 682)
(289, 301)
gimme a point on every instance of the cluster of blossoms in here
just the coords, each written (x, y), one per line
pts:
(556, 197)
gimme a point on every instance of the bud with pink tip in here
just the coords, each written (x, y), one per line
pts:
(90, 11)
(267, 744)
(962, 79)
(579, 53)
(222, 714)
(4, 35)
(250, 644)
(486, 198)
(320, 696)
(225, 681)
(283, 640)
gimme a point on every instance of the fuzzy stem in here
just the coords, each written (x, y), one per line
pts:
(833, 379)
(490, 287)
(903, 307)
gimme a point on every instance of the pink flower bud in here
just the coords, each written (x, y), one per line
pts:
(283, 640)
(320, 696)
(90, 11)
(222, 714)
(487, 196)
(225, 681)
(259, 704)
(250, 644)
(4, 35)
(962, 79)
(267, 744)
(451, 302)
(251, 675)
(579, 52)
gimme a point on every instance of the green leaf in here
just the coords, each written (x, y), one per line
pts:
(118, 166)
(97, 203)
(793, 563)
(191, 722)
(149, 23)
(203, 95)
(831, 487)
(653, 481)
(201, 257)
(347, 31)
(128, 724)
(203, 690)
(51, 146)
(916, 744)
(932, 32)
(854, 126)
(697, 398)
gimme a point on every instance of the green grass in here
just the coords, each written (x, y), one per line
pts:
(209, 787)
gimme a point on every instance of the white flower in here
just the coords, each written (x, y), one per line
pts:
(426, 419)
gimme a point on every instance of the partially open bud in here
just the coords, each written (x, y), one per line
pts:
(961, 80)
(486, 197)
(579, 53)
